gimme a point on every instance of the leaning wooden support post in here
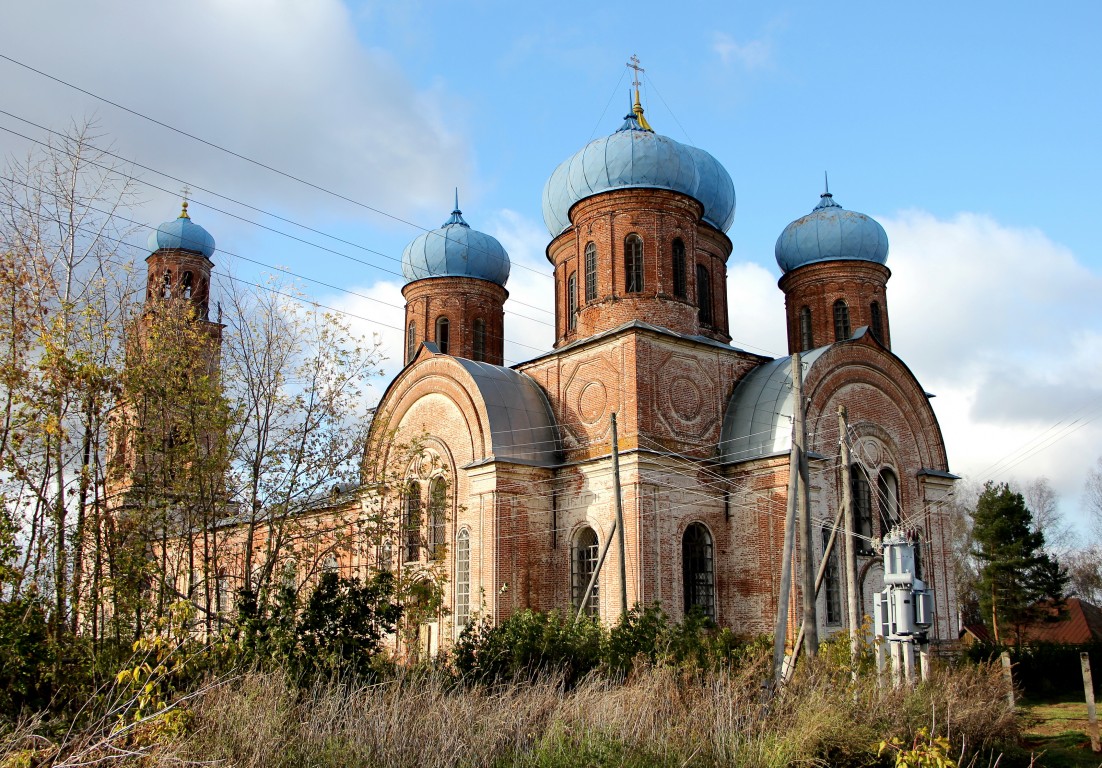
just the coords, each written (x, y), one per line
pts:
(810, 625)
(596, 572)
(780, 627)
(1088, 691)
(852, 616)
(619, 520)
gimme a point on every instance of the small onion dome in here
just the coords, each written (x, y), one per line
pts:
(456, 250)
(637, 157)
(831, 233)
(182, 234)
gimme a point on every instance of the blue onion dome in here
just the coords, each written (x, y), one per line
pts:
(455, 250)
(637, 157)
(183, 234)
(831, 233)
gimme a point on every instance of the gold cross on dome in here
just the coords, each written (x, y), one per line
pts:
(633, 63)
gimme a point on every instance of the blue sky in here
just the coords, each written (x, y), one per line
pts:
(969, 130)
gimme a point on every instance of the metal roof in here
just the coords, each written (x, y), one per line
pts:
(758, 419)
(522, 427)
(456, 250)
(182, 233)
(637, 157)
(831, 233)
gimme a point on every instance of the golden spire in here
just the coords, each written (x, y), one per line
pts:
(637, 107)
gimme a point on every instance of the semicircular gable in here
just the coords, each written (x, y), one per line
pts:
(877, 388)
(491, 412)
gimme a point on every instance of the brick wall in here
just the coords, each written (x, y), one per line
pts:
(818, 286)
(462, 300)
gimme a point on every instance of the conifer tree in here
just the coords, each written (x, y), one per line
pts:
(1015, 572)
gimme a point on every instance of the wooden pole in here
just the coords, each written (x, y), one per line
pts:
(1088, 691)
(619, 520)
(810, 625)
(819, 576)
(780, 628)
(852, 614)
(1005, 657)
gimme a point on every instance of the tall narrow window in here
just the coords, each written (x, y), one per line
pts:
(698, 570)
(807, 337)
(887, 498)
(411, 341)
(832, 586)
(679, 288)
(186, 285)
(704, 294)
(411, 521)
(862, 509)
(442, 334)
(462, 578)
(590, 272)
(841, 321)
(478, 351)
(583, 564)
(876, 324)
(438, 518)
(633, 264)
(572, 301)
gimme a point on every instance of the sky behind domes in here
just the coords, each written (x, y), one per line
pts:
(969, 131)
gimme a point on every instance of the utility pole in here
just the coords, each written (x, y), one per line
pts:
(851, 547)
(780, 628)
(811, 619)
(619, 520)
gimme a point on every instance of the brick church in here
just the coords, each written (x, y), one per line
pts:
(509, 498)
(516, 472)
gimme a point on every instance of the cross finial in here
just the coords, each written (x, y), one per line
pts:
(184, 193)
(826, 184)
(633, 63)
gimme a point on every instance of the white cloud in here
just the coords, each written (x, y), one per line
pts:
(1002, 324)
(288, 84)
(756, 310)
(753, 54)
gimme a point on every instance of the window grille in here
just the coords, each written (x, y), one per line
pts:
(412, 521)
(584, 564)
(679, 287)
(862, 509)
(633, 264)
(442, 332)
(807, 337)
(590, 272)
(876, 323)
(832, 586)
(411, 341)
(887, 498)
(572, 301)
(462, 578)
(704, 294)
(698, 570)
(437, 517)
(841, 321)
(479, 342)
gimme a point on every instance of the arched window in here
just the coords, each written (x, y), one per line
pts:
(583, 564)
(438, 517)
(478, 351)
(862, 509)
(186, 285)
(698, 570)
(841, 321)
(887, 498)
(679, 288)
(832, 584)
(411, 341)
(590, 272)
(807, 337)
(572, 301)
(704, 294)
(462, 578)
(442, 334)
(876, 323)
(633, 264)
(166, 285)
(411, 521)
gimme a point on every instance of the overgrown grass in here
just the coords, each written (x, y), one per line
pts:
(660, 716)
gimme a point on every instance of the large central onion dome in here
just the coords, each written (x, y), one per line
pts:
(831, 233)
(637, 157)
(456, 250)
(182, 234)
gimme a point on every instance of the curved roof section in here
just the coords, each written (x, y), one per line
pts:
(758, 419)
(831, 233)
(522, 427)
(637, 157)
(182, 234)
(456, 250)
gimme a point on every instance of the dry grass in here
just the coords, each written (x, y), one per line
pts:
(660, 717)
